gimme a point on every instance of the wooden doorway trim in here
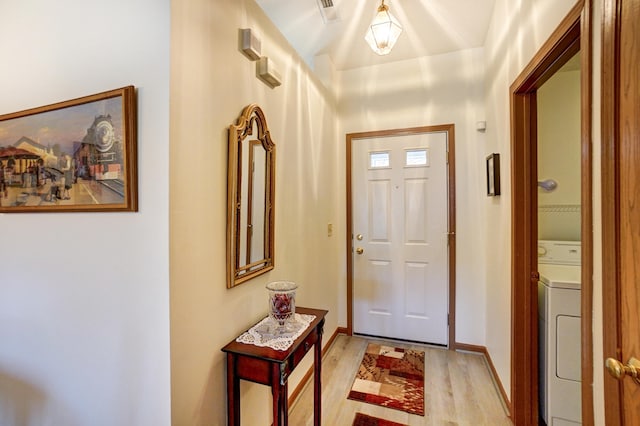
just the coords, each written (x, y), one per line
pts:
(451, 198)
(610, 96)
(572, 35)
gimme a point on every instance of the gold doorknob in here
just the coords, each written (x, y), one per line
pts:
(618, 370)
(359, 250)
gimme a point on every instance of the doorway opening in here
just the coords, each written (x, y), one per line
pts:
(559, 245)
(573, 35)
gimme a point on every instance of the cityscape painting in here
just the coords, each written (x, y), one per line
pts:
(77, 155)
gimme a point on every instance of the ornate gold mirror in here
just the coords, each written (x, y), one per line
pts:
(250, 197)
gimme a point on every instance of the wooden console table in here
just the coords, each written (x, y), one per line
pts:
(272, 368)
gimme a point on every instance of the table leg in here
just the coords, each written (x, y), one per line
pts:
(279, 395)
(284, 403)
(233, 392)
(317, 378)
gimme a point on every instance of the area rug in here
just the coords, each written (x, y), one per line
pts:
(391, 377)
(364, 420)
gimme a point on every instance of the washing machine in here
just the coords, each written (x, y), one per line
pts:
(559, 332)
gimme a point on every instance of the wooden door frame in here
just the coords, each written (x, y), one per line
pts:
(451, 198)
(610, 115)
(572, 35)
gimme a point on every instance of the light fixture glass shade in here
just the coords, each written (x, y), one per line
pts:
(383, 31)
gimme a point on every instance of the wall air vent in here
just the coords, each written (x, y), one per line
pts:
(328, 11)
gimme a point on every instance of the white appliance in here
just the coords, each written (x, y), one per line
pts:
(559, 332)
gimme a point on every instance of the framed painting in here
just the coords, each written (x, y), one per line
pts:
(73, 156)
(493, 175)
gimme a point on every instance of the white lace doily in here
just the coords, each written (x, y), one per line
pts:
(267, 332)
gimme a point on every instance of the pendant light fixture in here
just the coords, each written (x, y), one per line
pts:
(383, 31)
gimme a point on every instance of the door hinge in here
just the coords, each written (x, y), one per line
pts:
(447, 319)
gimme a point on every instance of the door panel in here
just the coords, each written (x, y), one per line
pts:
(400, 210)
(379, 210)
(629, 131)
(621, 201)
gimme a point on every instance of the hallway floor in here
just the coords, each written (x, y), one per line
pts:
(458, 389)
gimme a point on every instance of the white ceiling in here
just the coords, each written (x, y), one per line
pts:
(430, 27)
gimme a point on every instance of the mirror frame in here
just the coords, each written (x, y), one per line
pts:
(239, 133)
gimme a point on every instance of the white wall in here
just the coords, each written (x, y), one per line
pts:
(84, 311)
(517, 32)
(427, 91)
(211, 82)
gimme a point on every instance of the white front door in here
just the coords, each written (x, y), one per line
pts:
(400, 234)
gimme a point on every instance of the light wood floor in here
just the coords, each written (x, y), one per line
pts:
(458, 389)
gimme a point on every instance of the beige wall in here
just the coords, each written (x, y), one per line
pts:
(211, 82)
(517, 32)
(559, 156)
(396, 95)
(427, 91)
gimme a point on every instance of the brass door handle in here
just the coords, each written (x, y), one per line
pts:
(618, 370)
(359, 250)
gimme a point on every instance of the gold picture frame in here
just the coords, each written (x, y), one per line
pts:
(73, 156)
(251, 199)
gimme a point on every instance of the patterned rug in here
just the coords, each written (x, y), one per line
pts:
(391, 377)
(364, 420)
